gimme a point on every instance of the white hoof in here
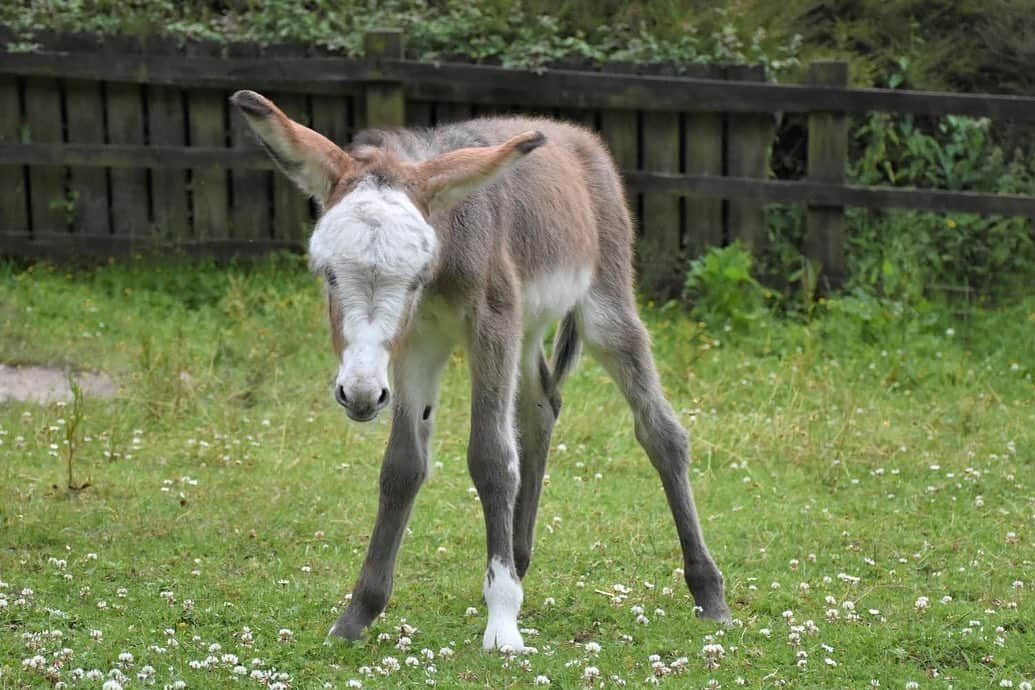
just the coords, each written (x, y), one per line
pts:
(503, 596)
(502, 636)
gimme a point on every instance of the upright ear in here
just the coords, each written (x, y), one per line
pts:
(446, 180)
(311, 160)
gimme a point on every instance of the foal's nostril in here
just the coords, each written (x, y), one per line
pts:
(383, 399)
(339, 395)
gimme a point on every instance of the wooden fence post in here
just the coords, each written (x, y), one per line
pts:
(749, 138)
(386, 101)
(828, 150)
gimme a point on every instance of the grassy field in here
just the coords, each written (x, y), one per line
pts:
(868, 492)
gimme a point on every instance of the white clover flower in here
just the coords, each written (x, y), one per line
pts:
(593, 647)
(541, 680)
(590, 673)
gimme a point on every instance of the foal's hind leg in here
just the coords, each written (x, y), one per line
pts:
(616, 336)
(538, 405)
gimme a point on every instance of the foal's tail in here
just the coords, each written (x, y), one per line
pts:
(565, 354)
(566, 348)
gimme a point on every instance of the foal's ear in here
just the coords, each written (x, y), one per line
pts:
(311, 160)
(446, 180)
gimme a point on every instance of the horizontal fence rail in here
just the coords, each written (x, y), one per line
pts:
(108, 148)
(751, 189)
(463, 83)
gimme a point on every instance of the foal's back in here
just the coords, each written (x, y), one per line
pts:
(558, 210)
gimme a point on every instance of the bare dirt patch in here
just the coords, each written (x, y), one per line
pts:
(49, 384)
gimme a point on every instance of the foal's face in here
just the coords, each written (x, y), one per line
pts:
(375, 250)
(373, 244)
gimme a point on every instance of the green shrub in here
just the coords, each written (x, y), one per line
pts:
(905, 254)
(723, 292)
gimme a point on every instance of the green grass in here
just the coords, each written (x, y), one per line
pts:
(227, 492)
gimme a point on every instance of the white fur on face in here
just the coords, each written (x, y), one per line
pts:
(375, 244)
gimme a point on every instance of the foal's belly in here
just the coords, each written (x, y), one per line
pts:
(550, 296)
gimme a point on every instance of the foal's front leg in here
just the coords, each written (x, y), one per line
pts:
(402, 473)
(492, 459)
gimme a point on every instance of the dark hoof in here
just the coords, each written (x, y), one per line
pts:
(719, 613)
(346, 629)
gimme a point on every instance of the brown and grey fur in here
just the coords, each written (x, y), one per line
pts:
(519, 206)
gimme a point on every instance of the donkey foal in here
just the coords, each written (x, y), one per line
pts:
(483, 234)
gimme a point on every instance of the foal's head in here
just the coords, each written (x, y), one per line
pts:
(373, 243)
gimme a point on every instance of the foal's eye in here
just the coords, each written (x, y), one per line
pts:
(416, 283)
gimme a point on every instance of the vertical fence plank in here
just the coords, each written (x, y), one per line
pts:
(385, 101)
(578, 116)
(703, 133)
(828, 150)
(659, 255)
(88, 186)
(250, 214)
(331, 118)
(48, 202)
(208, 184)
(14, 209)
(167, 127)
(419, 113)
(128, 185)
(206, 126)
(619, 130)
(291, 218)
(749, 139)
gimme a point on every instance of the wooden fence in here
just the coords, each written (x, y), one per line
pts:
(116, 146)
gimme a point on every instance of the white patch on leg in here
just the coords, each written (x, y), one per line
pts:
(503, 597)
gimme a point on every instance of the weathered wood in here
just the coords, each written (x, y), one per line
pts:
(758, 190)
(703, 155)
(208, 184)
(89, 248)
(332, 118)
(806, 192)
(333, 76)
(419, 113)
(48, 199)
(88, 186)
(749, 139)
(618, 128)
(129, 189)
(206, 126)
(126, 156)
(660, 260)
(579, 116)
(385, 100)
(251, 214)
(620, 131)
(827, 156)
(291, 217)
(14, 209)
(168, 128)
(487, 84)
(452, 112)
